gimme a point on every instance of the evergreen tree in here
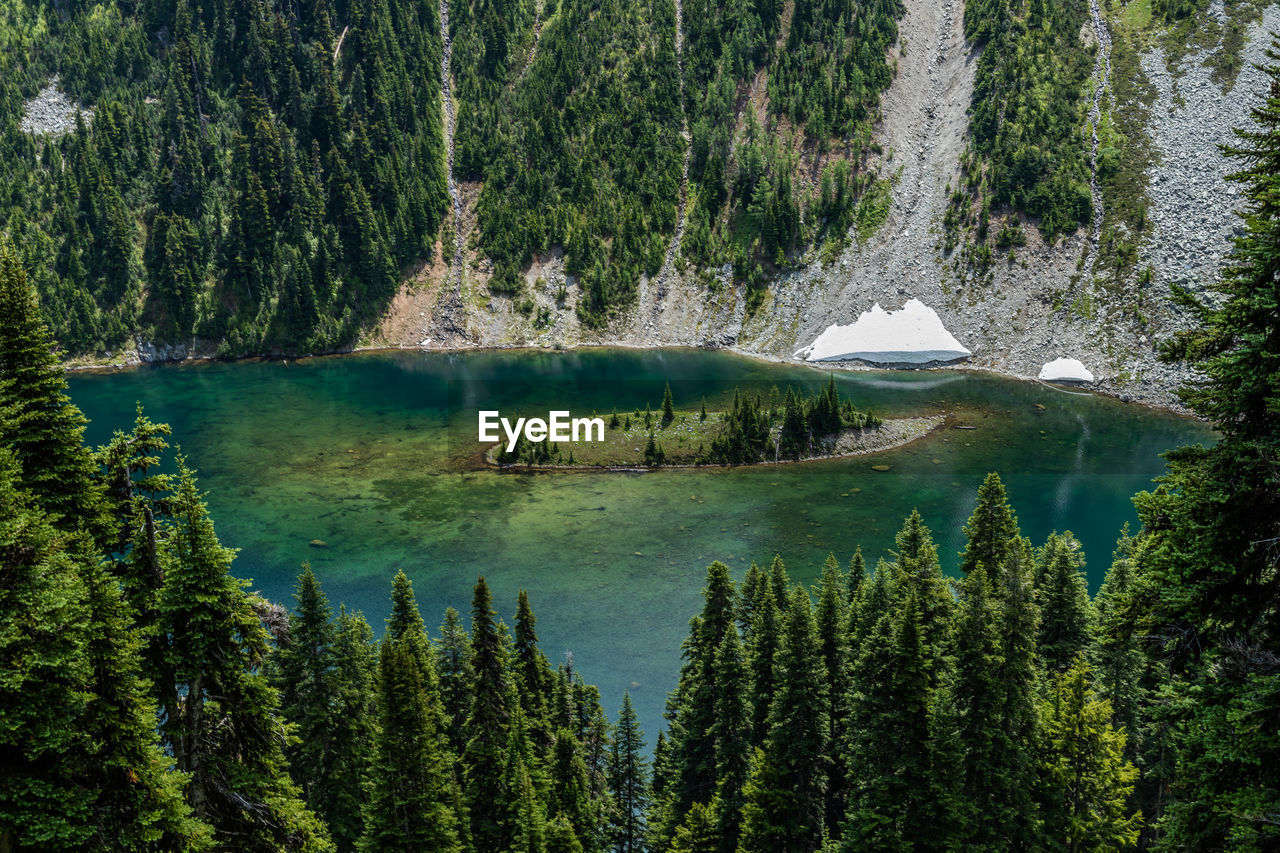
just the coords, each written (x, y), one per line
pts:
(1119, 654)
(668, 407)
(628, 783)
(308, 682)
(352, 737)
(732, 733)
(453, 662)
(1086, 779)
(891, 802)
(569, 793)
(786, 793)
(762, 648)
(1206, 557)
(411, 801)
(833, 632)
(221, 716)
(81, 766)
(486, 726)
(40, 425)
(532, 674)
(1067, 626)
(990, 530)
(920, 571)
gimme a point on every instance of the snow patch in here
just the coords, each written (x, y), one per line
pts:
(1065, 370)
(910, 337)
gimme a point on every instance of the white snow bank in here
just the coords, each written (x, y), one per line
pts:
(908, 337)
(1065, 370)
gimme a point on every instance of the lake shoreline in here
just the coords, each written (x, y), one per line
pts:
(892, 434)
(1166, 402)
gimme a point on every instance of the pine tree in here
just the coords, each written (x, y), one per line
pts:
(411, 801)
(787, 790)
(40, 424)
(356, 662)
(990, 529)
(833, 632)
(668, 407)
(569, 793)
(762, 647)
(1067, 624)
(307, 679)
(81, 765)
(732, 734)
(628, 783)
(1205, 560)
(221, 715)
(532, 674)
(486, 726)
(692, 707)
(453, 662)
(920, 571)
(891, 802)
(1086, 779)
(1119, 654)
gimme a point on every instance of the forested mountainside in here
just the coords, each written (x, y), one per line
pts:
(148, 702)
(256, 177)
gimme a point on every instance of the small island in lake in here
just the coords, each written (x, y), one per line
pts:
(777, 428)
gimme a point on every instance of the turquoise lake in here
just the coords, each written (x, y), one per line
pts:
(374, 455)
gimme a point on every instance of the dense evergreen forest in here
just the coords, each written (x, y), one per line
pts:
(261, 176)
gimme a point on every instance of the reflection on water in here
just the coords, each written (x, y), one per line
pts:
(369, 454)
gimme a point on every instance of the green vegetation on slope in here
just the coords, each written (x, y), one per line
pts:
(253, 174)
(1028, 153)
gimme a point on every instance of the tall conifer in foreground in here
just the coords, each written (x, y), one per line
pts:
(1208, 566)
(486, 727)
(39, 424)
(411, 802)
(80, 767)
(1085, 779)
(628, 783)
(221, 715)
(786, 794)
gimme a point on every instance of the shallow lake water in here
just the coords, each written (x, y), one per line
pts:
(374, 455)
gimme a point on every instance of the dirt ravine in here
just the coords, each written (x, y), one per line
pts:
(1101, 82)
(448, 304)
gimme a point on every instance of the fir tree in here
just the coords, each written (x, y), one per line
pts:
(355, 658)
(668, 407)
(786, 793)
(221, 715)
(486, 726)
(891, 785)
(732, 734)
(308, 682)
(628, 783)
(82, 767)
(1067, 623)
(40, 425)
(532, 674)
(453, 662)
(990, 530)
(833, 632)
(411, 801)
(1086, 779)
